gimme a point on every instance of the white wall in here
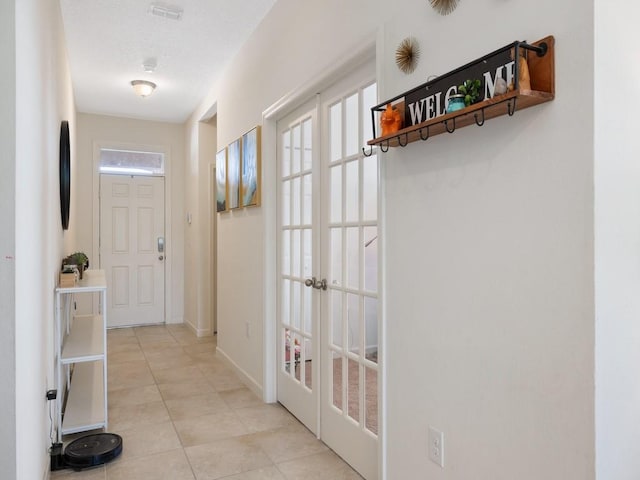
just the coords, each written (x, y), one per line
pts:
(199, 290)
(7, 237)
(489, 238)
(207, 135)
(284, 53)
(43, 99)
(617, 252)
(489, 249)
(100, 129)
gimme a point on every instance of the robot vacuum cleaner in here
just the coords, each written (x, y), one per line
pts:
(89, 451)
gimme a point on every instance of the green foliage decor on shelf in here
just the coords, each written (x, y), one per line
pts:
(471, 91)
(77, 258)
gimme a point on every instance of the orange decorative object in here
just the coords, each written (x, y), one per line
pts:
(524, 78)
(391, 120)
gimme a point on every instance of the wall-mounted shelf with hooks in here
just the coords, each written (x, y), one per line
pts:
(422, 99)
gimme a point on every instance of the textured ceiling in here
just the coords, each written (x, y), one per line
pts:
(108, 40)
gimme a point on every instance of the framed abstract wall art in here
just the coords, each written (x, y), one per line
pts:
(251, 168)
(221, 180)
(233, 174)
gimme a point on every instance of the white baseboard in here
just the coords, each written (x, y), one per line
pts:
(247, 379)
(191, 327)
(204, 332)
(175, 320)
(199, 332)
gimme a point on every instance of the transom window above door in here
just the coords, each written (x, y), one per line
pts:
(131, 162)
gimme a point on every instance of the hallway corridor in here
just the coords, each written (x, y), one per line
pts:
(184, 415)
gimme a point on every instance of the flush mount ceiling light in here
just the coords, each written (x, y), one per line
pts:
(143, 87)
(171, 12)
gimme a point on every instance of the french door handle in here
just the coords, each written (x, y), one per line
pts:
(315, 283)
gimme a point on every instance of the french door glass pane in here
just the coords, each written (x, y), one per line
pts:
(369, 99)
(353, 322)
(371, 328)
(352, 191)
(307, 311)
(307, 144)
(335, 275)
(296, 253)
(286, 252)
(353, 381)
(335, 131)
(307, 253)
(296, 310)
(297, 356)
(286, 359)
(286, 302)
(336, 318)
(286, 156)
(336, 194)
(296, 149)
(370, 258)
(286, 203)
(307, 199)
(370, 188)
(353, 257)
(337, 375)
(371, 399)
(351, 125)
(295, 196)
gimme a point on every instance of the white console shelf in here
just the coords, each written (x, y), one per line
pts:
(81, 358)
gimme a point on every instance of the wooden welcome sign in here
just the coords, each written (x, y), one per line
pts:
(430, 100)
(526, 82)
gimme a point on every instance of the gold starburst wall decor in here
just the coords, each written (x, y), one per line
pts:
(407, 55)
(444, 7)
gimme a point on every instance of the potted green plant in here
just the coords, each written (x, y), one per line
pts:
(471, 91)
(79, 259)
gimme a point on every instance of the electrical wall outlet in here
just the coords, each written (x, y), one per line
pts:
(248, 331)
(436, 446)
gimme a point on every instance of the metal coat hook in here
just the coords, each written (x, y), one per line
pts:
(446, 125)
(406, 140)
(424, 138)
(541, 49)
(475, 116)
(511, 106)
(384, 150)
(364, 152)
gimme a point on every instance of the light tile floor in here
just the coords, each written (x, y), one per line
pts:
(183, 415)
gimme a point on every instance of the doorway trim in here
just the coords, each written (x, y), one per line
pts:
(101, 144)
(366, 50)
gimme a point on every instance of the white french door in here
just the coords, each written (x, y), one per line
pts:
(132, 249)
(349, 235)
(298, 308)
(328, 281)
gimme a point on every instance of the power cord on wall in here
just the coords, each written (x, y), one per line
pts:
(55, 452)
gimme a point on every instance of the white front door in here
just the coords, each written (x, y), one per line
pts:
(327, 270)
(132, 249)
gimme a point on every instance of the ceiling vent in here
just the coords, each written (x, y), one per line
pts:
(172, 12)
(149, 64)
